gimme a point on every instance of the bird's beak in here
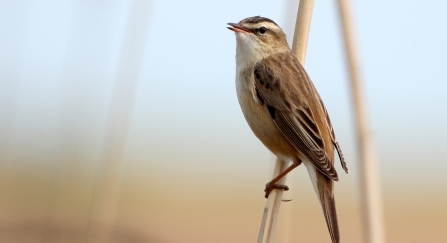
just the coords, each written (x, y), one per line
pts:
(237, 28)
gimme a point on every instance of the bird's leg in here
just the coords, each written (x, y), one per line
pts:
(271, 185)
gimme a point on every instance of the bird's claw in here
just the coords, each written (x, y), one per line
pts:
(269, 187)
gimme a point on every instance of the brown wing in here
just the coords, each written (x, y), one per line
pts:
(334, 139)
(292, 106)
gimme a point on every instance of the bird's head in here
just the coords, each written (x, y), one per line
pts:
(257, 38)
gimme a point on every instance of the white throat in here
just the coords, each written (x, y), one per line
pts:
(248, 51)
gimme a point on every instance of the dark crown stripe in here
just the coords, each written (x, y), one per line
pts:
(257, 19)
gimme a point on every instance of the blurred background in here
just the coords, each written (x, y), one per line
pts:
(121, 117)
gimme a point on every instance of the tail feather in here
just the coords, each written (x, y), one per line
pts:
(324, 187)
(330, 214)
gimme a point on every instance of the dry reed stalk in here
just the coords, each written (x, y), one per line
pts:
(371, 199)
(299, 45)
(108, 186)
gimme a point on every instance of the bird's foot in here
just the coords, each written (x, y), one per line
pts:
(269, 187)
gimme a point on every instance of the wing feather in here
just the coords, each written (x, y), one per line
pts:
(295, 117)
(334, 139)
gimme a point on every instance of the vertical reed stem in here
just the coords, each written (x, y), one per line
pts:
(299, 45)
(108, 186)
(371, 199)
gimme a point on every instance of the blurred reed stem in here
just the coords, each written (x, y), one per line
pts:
(108, 185)
(371, 198)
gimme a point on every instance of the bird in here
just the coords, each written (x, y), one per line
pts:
(284, 110)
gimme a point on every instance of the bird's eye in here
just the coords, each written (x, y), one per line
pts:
(262, 30)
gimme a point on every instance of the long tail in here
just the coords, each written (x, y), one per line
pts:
(324, 187)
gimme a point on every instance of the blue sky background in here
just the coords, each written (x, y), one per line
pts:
(191, 88)
(59, 60)
(59, 66)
